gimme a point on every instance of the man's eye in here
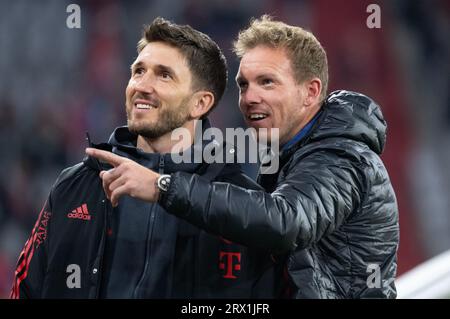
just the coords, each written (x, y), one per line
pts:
(138, 71)
(242, 86)
(166, 75)
(267, 81)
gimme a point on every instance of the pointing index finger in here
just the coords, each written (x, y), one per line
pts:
(105, 156)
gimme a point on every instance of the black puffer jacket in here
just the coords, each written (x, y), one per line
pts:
(330, 213)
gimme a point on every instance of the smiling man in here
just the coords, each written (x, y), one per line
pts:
(271, 93)
(329, 214)
(84, 247)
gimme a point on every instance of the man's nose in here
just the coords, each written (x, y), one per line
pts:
(144, 84)
(251, 96)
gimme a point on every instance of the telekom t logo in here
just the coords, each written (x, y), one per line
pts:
(228, 264)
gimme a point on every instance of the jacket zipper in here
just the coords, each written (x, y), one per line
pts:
(148, 248)
(98, 266)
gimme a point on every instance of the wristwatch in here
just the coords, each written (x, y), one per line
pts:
(163, 183)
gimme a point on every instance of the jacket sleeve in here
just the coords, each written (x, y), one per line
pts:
(30, 270)
(315, 197)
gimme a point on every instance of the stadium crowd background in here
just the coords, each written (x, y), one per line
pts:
(57, 83)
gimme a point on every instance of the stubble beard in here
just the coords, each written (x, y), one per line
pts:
(167, 120)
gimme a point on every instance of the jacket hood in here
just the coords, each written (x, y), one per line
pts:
(354, 116)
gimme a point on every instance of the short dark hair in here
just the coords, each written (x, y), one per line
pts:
(204, 57)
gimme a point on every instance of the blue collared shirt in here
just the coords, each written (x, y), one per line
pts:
(301, 134)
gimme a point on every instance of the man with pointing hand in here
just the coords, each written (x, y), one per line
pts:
(329, 214)
(84, 247)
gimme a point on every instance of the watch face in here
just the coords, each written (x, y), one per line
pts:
(164, 182)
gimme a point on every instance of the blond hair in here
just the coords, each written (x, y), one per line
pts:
(308, 57)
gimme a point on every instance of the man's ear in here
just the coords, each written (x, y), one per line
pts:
(313, 88)
(203, 102)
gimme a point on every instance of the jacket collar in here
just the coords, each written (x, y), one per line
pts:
(122, 142)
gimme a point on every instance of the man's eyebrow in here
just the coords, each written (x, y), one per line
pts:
(267, 75)
(158, 68)
(240, 79)
(136, 64)
(165, 68)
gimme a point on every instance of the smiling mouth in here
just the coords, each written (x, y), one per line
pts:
(141, 106)
(256, 117)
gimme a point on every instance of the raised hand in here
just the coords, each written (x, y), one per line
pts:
(126, 178)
